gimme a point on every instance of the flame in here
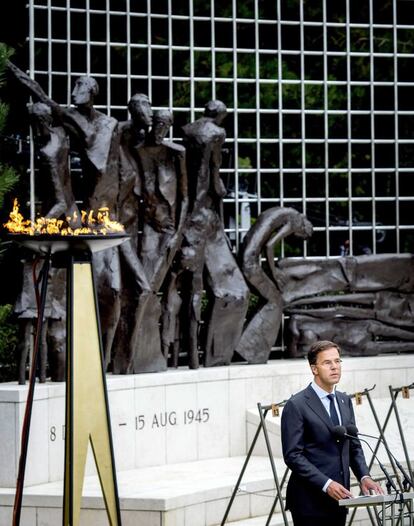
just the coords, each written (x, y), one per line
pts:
(99, 224)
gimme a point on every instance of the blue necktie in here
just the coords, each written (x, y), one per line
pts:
(332, 410)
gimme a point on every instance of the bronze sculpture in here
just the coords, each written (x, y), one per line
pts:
(53, 149)
(364, 302)
(135, 289)
(176, 287)
(95, 137)
(93, 133)
(53, 346)
(165, 203)
(165, 198)
(271, 227)
(204, 233)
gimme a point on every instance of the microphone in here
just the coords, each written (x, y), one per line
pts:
(351, 431)
(339, 432)
(407, 482)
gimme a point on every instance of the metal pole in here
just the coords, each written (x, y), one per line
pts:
(282, 483)
(249, 454)
(44, 273)
(369, 511)
(400, 428)
(382, 437)
(236, 487)
(272, 463)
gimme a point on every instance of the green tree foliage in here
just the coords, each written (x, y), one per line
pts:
(8, 344)
(8, 177)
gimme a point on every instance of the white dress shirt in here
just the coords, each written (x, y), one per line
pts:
(323, 397)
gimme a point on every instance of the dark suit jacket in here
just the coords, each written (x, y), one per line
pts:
(314, 455)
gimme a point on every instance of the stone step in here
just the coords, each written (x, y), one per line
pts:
(185, 494)
(276, 520)
(360, 519)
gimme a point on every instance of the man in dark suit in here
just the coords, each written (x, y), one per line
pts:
(318, 459)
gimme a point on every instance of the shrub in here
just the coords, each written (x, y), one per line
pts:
(8, 344)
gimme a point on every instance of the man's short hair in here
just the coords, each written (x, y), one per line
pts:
(321, 346)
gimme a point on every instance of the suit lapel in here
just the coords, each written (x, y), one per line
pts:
(313, 401)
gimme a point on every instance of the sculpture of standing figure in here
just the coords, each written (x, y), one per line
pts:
(95, 137)
(165, 195)
(94, 134)
(165, 204)
(130, 353)
(53, 344)
(271, 227)
(53, 151)
(185, 279)
(204, 233)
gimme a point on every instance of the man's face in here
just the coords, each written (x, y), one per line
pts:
(327, 370)
(141, 112)
(81, 94)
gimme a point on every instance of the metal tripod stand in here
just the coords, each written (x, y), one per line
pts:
(263, 410)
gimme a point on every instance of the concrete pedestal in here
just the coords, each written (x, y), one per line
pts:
(163, 420)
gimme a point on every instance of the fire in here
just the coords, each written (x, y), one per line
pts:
(99, 224)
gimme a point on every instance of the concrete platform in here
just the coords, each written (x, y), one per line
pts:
(185, 494)
(180, 440)
(175, 416)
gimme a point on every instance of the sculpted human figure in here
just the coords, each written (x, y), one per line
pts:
(271, 227)
(163, 188)
(165, 195)
(134, 349)
(363, 301)
(53, 150)
(95, 137)
(185, 286)
(93, 133)
(204, 233)
(365, 335)
(53, 345)
(132, 135)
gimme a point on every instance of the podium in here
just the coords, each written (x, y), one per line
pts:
(395, 509)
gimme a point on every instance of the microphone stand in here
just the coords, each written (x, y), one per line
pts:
(407, 483)
(390, 483)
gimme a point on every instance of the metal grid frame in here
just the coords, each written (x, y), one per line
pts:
(157, 33)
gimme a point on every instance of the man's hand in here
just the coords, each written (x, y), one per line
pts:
(369, 486)
(337, 491)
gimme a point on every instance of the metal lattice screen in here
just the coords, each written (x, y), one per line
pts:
(321, 113)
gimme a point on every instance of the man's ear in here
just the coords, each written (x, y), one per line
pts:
(314, 370)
